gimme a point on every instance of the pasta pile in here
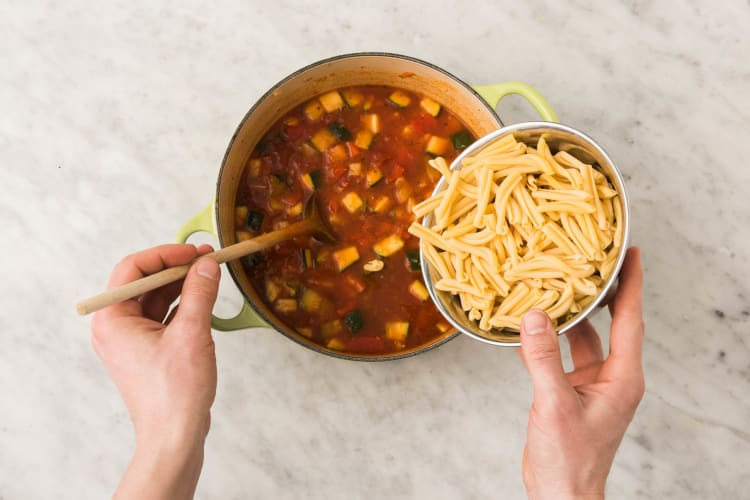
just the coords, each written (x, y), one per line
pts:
(518, 228)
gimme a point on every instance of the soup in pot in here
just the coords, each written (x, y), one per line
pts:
(364, 152)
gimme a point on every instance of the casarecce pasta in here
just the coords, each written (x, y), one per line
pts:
(519, 228)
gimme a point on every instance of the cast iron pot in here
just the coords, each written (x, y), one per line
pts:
(473, 105)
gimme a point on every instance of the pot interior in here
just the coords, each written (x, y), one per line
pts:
(357, 69)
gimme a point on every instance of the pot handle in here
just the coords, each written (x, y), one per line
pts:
(247, 317)
(493, 93)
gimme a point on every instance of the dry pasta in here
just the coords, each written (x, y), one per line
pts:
(518, 228)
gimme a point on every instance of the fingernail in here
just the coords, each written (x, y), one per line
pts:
(534, 322)
(208, 268)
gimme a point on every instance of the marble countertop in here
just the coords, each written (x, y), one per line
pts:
(113, 122)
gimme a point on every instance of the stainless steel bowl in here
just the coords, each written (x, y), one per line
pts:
(560, 138)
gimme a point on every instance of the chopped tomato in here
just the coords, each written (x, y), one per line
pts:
(294, 132)
(396, 171)
(425, 123)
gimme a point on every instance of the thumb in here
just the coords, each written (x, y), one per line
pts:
(198, 295)
(541, 355)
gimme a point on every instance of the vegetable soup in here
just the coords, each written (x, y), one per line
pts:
(364, 152)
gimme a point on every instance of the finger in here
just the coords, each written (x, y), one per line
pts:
(141, 264)
(172, 313)
(156, 303)
(541, 355)
(585, 345)
(584, 376)
(626, 336)
(198, 297)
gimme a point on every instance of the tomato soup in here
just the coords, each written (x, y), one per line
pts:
(363, 151)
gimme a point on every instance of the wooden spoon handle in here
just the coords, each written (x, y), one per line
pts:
(169, 275)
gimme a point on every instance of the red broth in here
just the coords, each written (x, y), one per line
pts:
(364, 151)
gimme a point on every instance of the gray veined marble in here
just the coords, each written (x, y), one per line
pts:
(114, 119)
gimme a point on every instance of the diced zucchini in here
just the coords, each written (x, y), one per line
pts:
(339, 131)
(345, 257)
(353, 321)
(336, 344)
(388, 246)
(253, 259)
(316, 176)
(373, 176)
(352, 98)
(275, 204)
(352, 202)
(306, 180)
(242, 235)
(367, 105)
(461, 140)
(307, 259)
(286, 305)
(310, 300)
(397, 330)
(437, 146)
(355, 169)
(305, 332)
(314, 110)
(254, 220)
(372, 122)
(322, 256)
(418, 290)
(331, 101)
(412, 258)
(381, 205)
(290, 287)
(364, 139)
(443, 327)
(277, 183)
(294, 210)
(273, 290)
(430, 106)
(323, 139)
(403, 189)
(331, 329)
(338, 153)
(255, 167)
(240, 215)
(309, 151)
(399, 98)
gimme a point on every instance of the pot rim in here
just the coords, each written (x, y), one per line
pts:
(271, 322)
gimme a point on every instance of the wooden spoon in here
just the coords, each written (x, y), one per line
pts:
(311, 223)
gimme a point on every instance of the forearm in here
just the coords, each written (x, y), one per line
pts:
(162, 471)
(532, 495)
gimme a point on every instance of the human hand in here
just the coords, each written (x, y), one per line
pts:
(164, 367)
(578, 419)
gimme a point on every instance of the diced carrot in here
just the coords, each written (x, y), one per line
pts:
(353, 149)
